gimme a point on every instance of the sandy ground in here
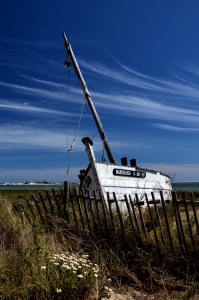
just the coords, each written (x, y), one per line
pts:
(140, 296)
(132, 294)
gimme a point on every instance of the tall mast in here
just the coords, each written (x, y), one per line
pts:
(89, 100)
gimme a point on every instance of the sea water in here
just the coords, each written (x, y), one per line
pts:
(177, 186)
(185, 186)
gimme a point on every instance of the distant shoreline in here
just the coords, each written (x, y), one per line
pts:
(177, 186)
(36, 186)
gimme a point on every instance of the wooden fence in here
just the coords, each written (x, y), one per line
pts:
(170, 225)
(45, 206)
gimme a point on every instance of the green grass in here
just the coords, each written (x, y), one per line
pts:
(13, 195)
(38, 261)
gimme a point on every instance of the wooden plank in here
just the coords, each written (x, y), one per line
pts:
(17, 212)
(57, 202)
(167, 221)
(30, 207)
(104, 213)
(86, 211)
(156, 201)
(152, 221)
(43, 203)
(135, 218)
(119, 214)
(174, 200)
(23, 209)
(194, 211)
(37, 206)
(79, 207)
(130, 216)
(97, 209)
(50, 202)
(73, 208)
(141, 216)
(158, 217)
(111, 214)
(180, 222)
(92, 213)
(188, 219)
(66, 199)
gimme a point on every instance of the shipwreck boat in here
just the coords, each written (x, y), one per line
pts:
(123, 179)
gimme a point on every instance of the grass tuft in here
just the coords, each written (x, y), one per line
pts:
(38, 261)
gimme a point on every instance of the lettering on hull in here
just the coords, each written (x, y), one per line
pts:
(129, 173)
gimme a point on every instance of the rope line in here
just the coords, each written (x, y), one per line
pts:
(66, 121)
(95, 135)
(73, 143)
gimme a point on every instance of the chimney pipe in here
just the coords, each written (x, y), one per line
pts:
(133, 162)
(124, 161)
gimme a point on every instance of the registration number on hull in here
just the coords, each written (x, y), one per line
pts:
(128, 173)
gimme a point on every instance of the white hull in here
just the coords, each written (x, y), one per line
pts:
(124, 180)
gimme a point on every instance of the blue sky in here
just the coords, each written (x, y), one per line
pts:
(140, 60)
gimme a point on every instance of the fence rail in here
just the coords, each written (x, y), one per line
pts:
(167, 224)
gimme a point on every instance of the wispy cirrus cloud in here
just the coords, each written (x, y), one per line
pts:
(145, 107)
(151, 106)
(57, 91)
(136, 79)
(35, 92)
(172, 100)
(21, 137)
(10, 105)
(176, 128)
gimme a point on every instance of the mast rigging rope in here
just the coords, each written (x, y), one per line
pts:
(66, 121)
(73, 143)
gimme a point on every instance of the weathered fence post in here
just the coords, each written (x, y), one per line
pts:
(57, 203)
(130, 215)
(188, 219)
(29, 206)
(17, 212)
(97, 209)
(23, 209)
(158, 217)
(167, 221)
(66, 198)
(135, 218)
(43, 203)
(86, 211)
(194, 211)
(92, 212)
(119, 214)
(141, 216)
(180, 222)
(104, 209)
(73, 208)
(80, 208)
(174, 200)
(111, 213)
(37, 206)
(50, 202)
(152, 221)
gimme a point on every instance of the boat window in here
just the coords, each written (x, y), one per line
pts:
(87, 181)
